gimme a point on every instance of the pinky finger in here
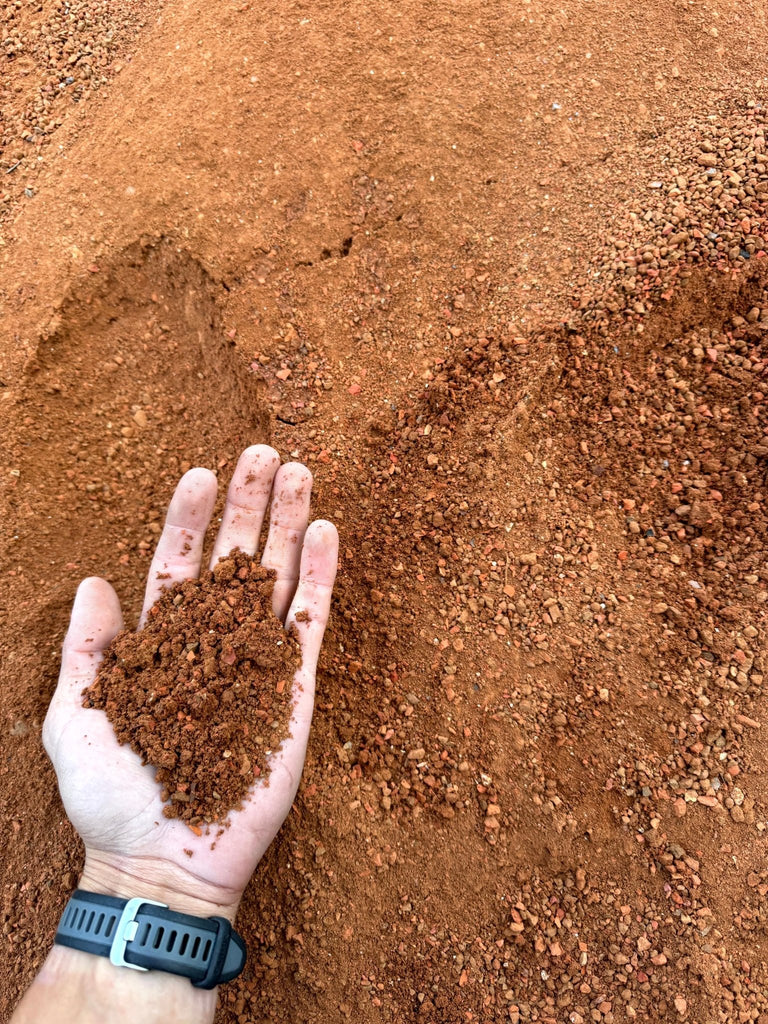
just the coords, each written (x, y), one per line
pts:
(309, 616)
(312, 602)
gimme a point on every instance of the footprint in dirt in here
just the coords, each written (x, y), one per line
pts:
(135, 383)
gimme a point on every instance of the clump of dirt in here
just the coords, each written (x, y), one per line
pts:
(203, 692)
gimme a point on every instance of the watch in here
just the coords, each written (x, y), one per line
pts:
(145, 935)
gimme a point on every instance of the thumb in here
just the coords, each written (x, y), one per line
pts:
(96, 619)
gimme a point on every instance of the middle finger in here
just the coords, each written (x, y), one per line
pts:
(247, 500)
(288, 519)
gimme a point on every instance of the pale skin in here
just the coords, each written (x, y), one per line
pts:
(113, 801)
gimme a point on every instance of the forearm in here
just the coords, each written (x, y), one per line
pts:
(73, 987)
(78, 988)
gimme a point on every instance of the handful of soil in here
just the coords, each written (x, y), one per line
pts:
(203, 692)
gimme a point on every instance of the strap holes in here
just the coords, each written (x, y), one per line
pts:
(171, 940)
(195, 947)
(110, 926)
(81, 918)
(145, 933)
(207, 949)
(158, 937)
(184, 944)
(90, 920)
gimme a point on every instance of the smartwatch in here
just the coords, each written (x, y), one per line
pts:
(145, 935)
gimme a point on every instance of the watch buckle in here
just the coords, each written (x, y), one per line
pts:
(126, 930)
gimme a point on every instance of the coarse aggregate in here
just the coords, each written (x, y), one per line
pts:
(535, 788)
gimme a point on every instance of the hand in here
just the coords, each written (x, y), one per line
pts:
(113, 800)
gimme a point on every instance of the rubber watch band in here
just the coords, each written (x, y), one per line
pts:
(148, 936)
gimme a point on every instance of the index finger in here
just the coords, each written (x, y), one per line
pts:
(179, 551)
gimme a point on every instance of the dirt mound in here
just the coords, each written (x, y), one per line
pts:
(133, 365)
(703, 202)
(534, 790)
(57, 56)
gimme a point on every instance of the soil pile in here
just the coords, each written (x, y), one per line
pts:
(59, 54)
(703, 204)
(203, 692)
(498, 277)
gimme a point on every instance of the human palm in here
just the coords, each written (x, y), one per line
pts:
(111, 798)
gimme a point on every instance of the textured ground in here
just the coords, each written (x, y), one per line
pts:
(497, 274)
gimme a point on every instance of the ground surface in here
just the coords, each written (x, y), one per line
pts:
(496, 272)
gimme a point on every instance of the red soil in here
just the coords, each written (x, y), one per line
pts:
(406, 244)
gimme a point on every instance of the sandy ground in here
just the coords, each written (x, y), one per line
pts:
(497, 274)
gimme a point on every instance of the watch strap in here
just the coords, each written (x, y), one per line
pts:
(145, 935)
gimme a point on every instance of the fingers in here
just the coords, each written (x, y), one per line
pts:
(96, 619)
(312, 602)
(247, 500)
(288, 520)
(180, 548)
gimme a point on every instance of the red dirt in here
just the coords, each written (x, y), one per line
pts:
(202, 692)
(497, 274)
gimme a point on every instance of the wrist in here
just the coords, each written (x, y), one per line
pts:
(163, 881)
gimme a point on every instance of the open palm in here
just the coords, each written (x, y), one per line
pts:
(111, 798)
